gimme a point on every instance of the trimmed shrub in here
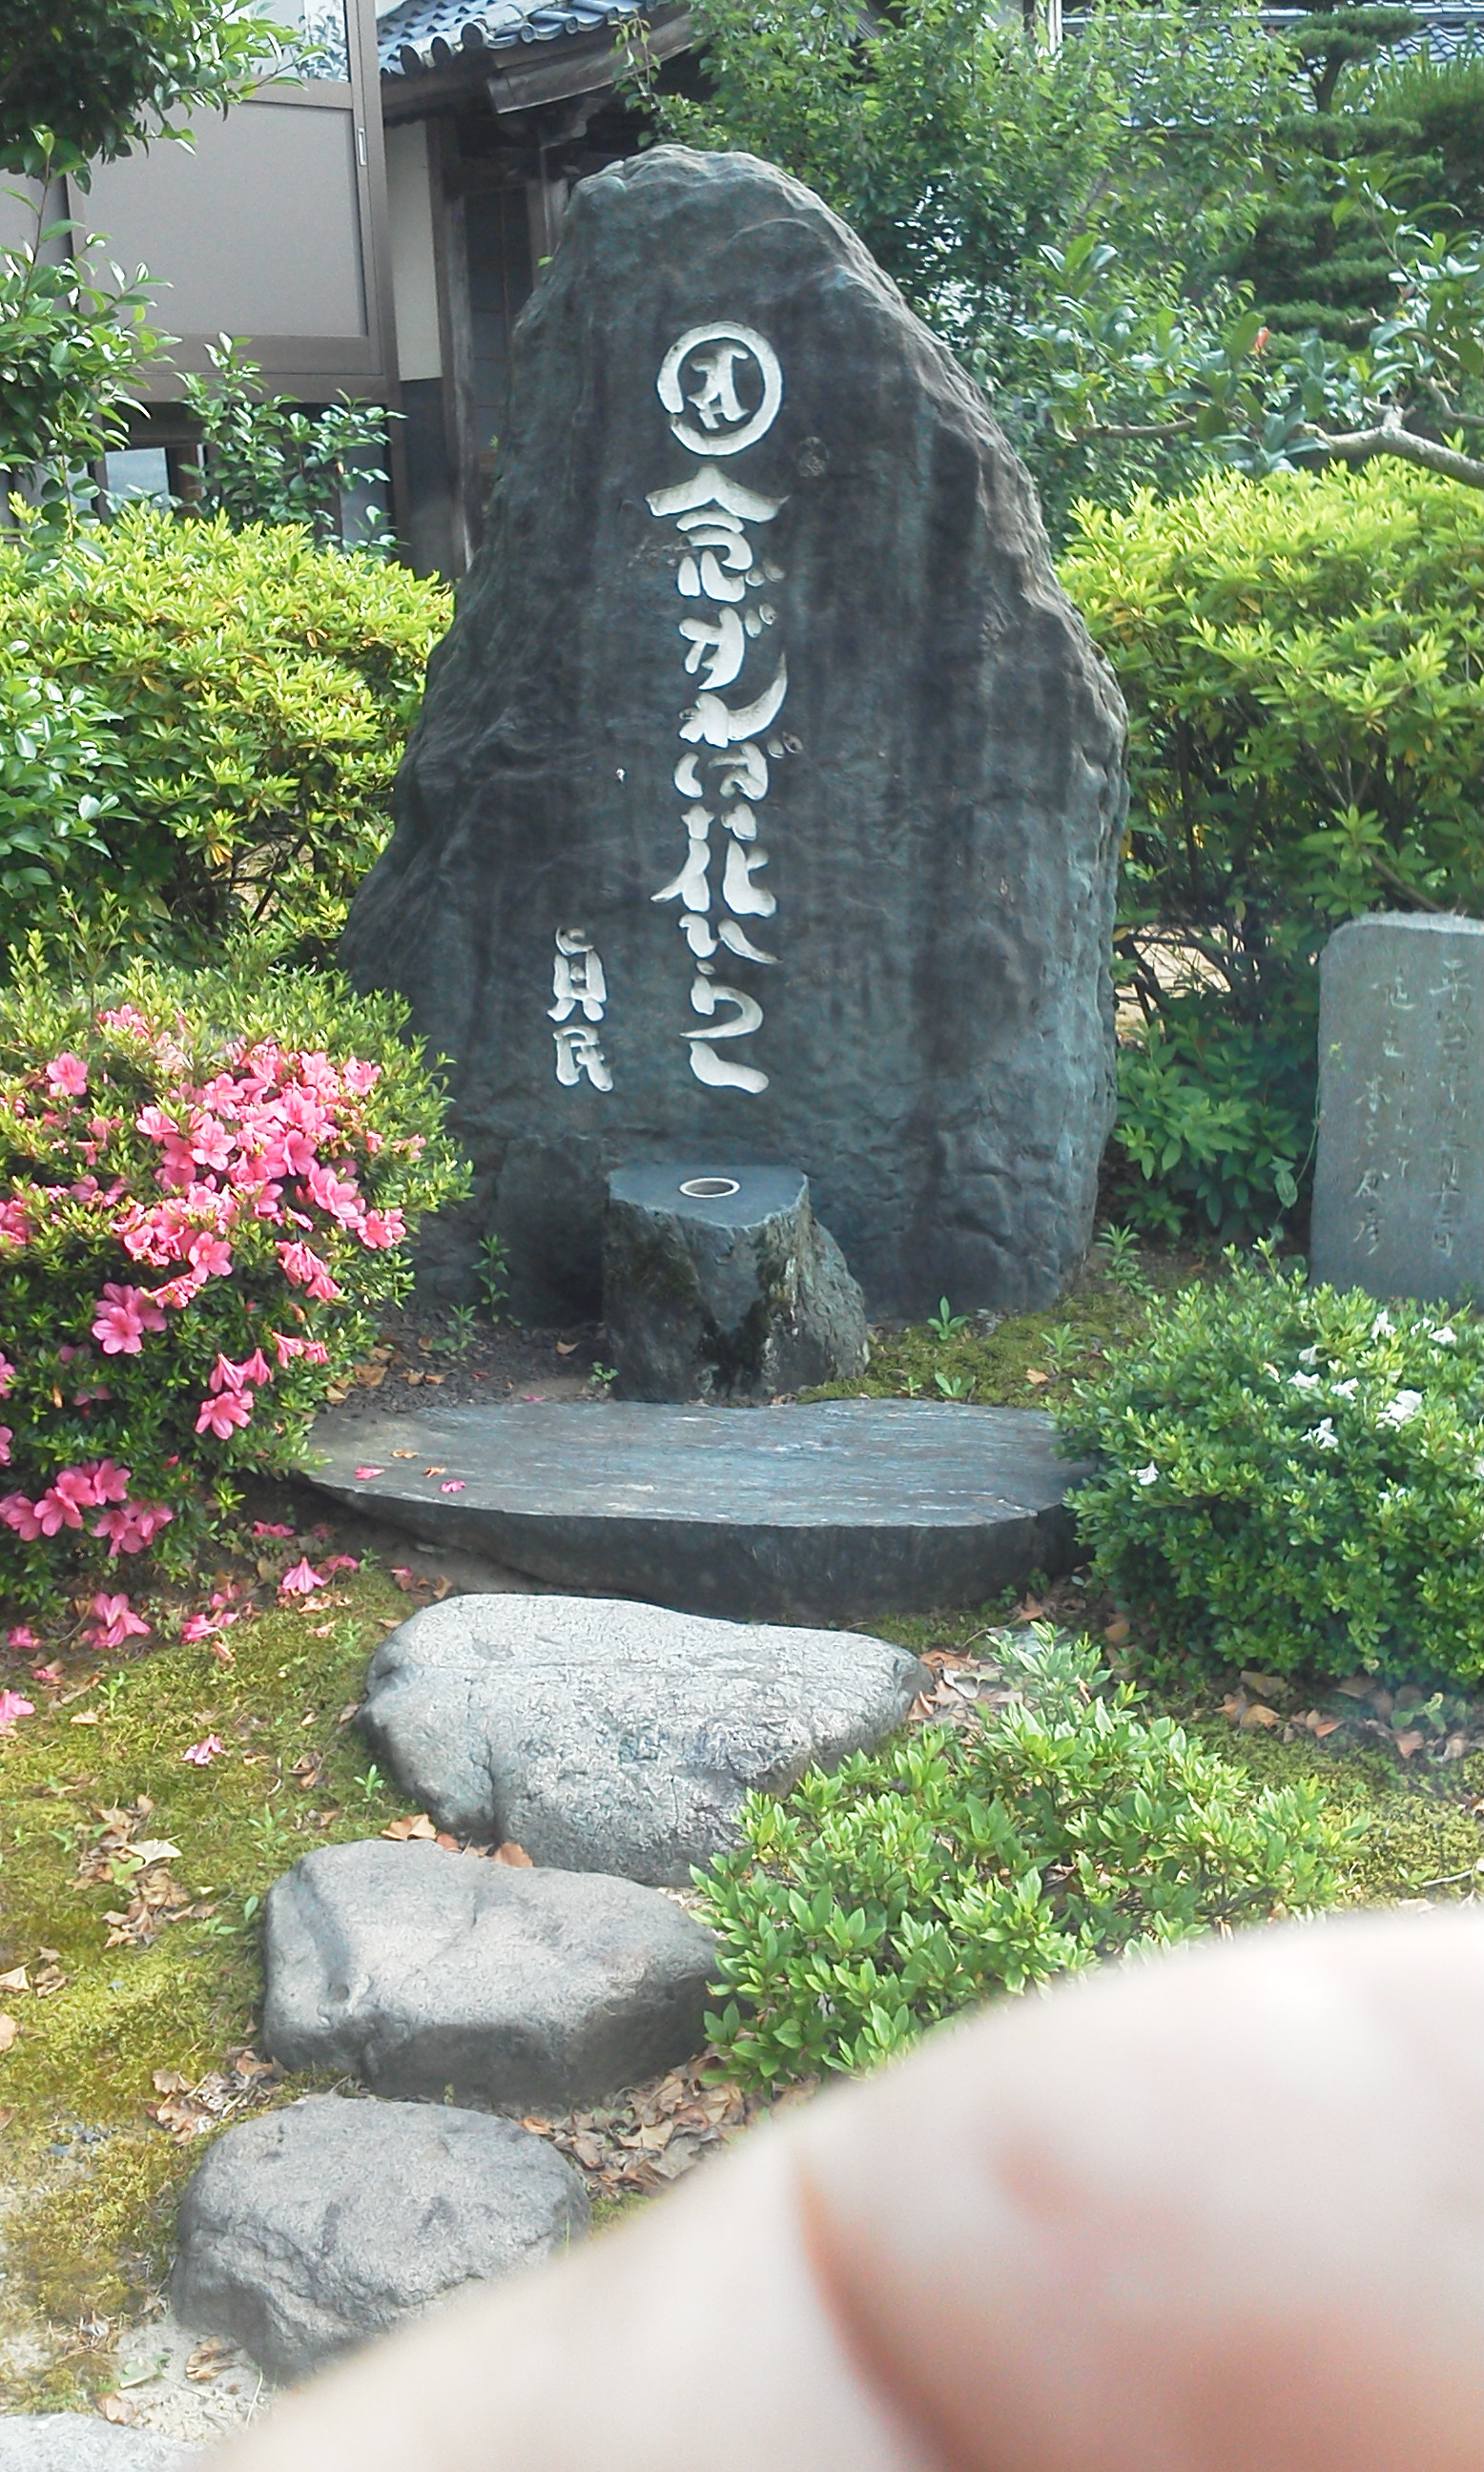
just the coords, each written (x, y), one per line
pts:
(1302, 658)
(207, 1186)
(251, 693)
(1289, 1479)
(961, 1862)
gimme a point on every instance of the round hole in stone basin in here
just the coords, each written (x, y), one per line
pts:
(709, 1188)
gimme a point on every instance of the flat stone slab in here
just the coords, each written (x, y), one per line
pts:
(308, 2230)
(607, 1736)
(416, 1970)
(76, 2441)
(843, 1510)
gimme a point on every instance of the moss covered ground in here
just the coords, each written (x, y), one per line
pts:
(128, 2034)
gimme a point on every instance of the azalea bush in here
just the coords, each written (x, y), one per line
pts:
(201, 726)
(207, 1184)
(1290, 1478)
(960, 1861)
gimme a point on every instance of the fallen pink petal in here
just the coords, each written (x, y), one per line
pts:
(12, 1706)
(364, 1475)
(455, 1484)
(271, 1528)
(301, 1581)
(22, 1636)
(202, 1755)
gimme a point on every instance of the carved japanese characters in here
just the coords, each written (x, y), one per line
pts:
(766, 800)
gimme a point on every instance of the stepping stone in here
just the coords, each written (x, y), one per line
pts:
(607, 1736)
(74, 2441)
(417, 1970)
(311, 2229)
(841, 1511)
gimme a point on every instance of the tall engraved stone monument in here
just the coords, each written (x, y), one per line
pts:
(767, 798)
(1399, 1178)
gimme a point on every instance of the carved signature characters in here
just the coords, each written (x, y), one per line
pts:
(724, 774)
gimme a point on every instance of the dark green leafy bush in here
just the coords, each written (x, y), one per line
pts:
(1289, 1477)
(253, 694)
(1302, 660)
(958, 1863)
(208, 1184)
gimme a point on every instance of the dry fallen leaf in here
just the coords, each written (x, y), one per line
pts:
(9, 2030)
(1322, 1726)
(1035, 1376)
(1116, 1632)
(370, 1377)
(514, 1854)
(84, 1717)
(405, 1455)
(435, 1471)
(566, 1348)
(17, 1980)
(1409, 1742)
(1358, 1687)
(1258, 1715)
(1267, 1685)
(114, 2408)
(418, 1825)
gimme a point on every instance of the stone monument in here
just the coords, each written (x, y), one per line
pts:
(767, 795)
(1399, 1179)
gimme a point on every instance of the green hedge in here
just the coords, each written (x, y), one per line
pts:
(201, 725)
(1302, 658)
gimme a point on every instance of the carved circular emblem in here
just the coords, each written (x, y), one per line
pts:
(722, 387)
(711, 1188)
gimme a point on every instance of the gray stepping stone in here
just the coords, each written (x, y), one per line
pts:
(841, 1511)
(308, 2230)
(417, 1970)
(74, 2441)
(605, 1736)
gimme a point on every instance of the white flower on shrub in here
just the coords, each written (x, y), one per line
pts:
(1324, 1434)
(1445, 1337)
(1383, 1326)
(1401, 1409)
(1308, 1356)
(1149, 1475)
(1344, 1389)
(1303, 1380)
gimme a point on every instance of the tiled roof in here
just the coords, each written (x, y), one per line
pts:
(438, 34)
(1444, 30)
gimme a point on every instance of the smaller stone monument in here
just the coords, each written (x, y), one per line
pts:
(1399, 1183)
(719, 1283)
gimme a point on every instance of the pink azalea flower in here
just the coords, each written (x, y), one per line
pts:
(316, 1352)
(109, 1482)
(48, 1673)
(223, 1415)
(342, 1562)
(271, 1528)
(21, 1637)
(133, 1527)
(227, 1376)
(7, 1438)
(12, 1706)
(125, 1017)
(285, 1349)
(64, 1501)
(337, 1196)
(20, 1513)
(199, 1626)
(381, 1228)
(363, 1475)
(179, 1292)
(301, 1581)
(210, 1257)
(202, 1755)
(67, 1077)
(359, 1077)
(6, 1376)
(211, 1143)
(302, 1266)
(122, 1318)
(14, 1224)
(116, 1621)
